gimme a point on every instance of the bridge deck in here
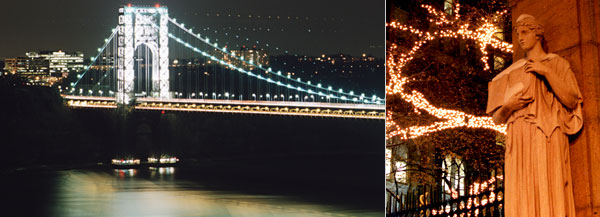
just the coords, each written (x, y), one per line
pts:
(316, 109)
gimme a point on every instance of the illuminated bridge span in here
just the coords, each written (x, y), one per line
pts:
(337, 110)
(133, 68)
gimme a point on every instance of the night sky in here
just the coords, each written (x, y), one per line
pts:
(308, 27)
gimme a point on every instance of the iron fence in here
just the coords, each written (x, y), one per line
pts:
(431, 201)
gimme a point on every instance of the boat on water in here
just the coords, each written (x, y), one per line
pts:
(125, 163)
(163, 160)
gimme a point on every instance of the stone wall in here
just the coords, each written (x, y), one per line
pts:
(572, 29)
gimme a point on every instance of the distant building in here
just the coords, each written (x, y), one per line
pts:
(16, 65)
(46, 67)
(59, 61)
(252, 55)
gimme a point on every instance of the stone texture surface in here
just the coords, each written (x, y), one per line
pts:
(572, 29)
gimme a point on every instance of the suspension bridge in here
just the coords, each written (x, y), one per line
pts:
(133, 68)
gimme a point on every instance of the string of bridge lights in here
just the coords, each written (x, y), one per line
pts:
(258, 76)
(237, 36)
(223, 30)
(93, 59)
(227, 34)
(261, 28)
(258, 42)
(483, 35)
(351, 96)
(272, 16)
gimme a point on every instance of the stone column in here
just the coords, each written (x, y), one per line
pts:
(572, 29)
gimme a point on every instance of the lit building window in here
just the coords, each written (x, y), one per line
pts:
(448, 6)
(498, 63)
(499, 31)
(453, 180)
(395, 169)
(400, 171)
(388, 161)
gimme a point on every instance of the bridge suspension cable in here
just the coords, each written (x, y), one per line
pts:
(231, 62)
(94, 59)
(346, 96)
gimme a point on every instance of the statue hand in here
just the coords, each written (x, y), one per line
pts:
(517, 102)
(537, 67)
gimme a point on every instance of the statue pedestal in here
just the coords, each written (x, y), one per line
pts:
(572, 29)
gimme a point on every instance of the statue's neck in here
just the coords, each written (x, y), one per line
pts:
(536, 53)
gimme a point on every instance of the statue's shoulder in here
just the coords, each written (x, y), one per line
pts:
(552, 57)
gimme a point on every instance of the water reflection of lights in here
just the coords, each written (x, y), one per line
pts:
(166, 170)
(96, 193)
(122, 173)
(162, 171)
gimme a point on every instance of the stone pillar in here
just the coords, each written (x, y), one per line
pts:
(572, 29)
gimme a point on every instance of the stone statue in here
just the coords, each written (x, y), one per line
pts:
(539, 100)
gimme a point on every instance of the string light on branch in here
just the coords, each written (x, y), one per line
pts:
(482, 34)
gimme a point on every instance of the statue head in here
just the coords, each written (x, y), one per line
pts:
(530, 32)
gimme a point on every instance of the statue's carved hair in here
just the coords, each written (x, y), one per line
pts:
(531, 23)
(535, 26)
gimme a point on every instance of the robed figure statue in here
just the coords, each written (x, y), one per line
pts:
(539, 100)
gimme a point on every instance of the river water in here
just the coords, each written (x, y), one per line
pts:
(180, 191)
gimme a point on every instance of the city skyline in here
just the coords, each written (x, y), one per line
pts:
(314, 27)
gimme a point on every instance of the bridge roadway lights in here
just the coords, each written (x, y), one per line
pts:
(91, 104)
(270, 110)
(239, 109)
(110, 103)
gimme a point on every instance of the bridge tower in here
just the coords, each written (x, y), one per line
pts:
(138, 26)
